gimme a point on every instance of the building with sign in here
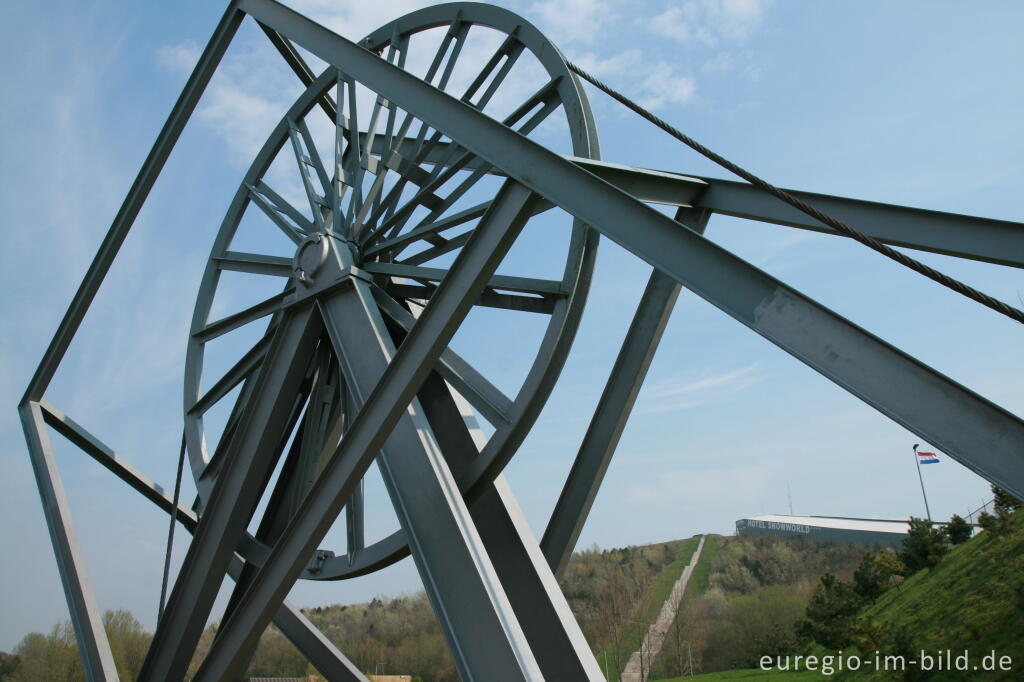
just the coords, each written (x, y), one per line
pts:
(883, 532)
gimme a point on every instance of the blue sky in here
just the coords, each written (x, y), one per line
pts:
(910, 103)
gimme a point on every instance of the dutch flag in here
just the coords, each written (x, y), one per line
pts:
(927, 458)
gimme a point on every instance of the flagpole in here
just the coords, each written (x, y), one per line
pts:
(921, 479)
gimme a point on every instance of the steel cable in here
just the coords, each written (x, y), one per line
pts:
(170, 531)
(802, 206)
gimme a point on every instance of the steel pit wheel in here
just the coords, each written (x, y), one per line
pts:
(393, 201)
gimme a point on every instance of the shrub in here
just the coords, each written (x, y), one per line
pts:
(923, 547)
(1005, 503)
(957, 530)
(831, 613)
(869, 580)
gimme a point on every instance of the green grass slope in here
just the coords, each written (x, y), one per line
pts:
(760, 675)
(973, 599)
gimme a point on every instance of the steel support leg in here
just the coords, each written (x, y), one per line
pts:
(85, 613)
(249, 458)
(614, 408)
(489, 643)
(550, 627)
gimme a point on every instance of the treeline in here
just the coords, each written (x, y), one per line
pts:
(53, 657)
(392, 635)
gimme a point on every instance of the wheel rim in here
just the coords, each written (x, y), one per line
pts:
(394, 208)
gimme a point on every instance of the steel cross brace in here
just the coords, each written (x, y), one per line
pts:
(613, 408)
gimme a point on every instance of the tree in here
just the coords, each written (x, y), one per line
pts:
(869, 581)
(1005, 503)
(923, 547)
(957, 530)
(890, 566)
(8, 664)
(831, 613)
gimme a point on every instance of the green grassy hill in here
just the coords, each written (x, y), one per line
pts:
(973, 601)
(758, 675)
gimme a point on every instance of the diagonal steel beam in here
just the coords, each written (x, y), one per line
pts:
(613, 409)
(951, 234)
(979, 434)
(550, 627)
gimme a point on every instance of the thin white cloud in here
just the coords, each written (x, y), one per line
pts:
(710, 22)
(573, 21)
(354, 20)
(180, 58)
(659, 85)
(671, 395)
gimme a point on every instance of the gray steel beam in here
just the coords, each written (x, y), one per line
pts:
(85, 614)
(133, 202)
(490, 644)
(108, 459)
(613, 409)
(448, 553)
(952, 234)
(979, 434)
(236, 490)
(550, 627)
(982, 239)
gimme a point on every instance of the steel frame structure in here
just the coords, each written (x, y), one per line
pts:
(354, 356)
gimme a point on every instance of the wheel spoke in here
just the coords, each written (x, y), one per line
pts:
(238, 373)
(277, 209)
(456, 34)
(255, 263)
(546, 97)
(431, 230)
(527, 285)
(389, 127)
(484, 396)
(340, 223)
(437, 251)
(509, 50)
(352, 159)
(307, 157)
(250, 314)
(489, 298)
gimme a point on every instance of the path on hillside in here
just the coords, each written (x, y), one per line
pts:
(638, 669)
